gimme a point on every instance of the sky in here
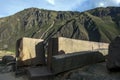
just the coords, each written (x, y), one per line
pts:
(10, 7)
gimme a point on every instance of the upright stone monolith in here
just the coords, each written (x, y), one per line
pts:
(113, 59)
(30, 52)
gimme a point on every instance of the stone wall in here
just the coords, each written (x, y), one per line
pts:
(30, 51)
(63, 45)
(73, 45)
(55, 45)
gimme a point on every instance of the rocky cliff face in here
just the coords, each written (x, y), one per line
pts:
(100, 24)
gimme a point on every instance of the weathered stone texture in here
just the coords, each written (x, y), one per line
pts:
(39, 73)
(61, 45)
(65, 62)
(6, 59)
(74, 45)
(30, 51)
(68, 45)
(113, 59)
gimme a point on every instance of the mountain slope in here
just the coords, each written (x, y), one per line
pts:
(100, 24)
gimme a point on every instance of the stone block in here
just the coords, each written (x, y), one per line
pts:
(8, 58)
(61, 45)
(30, 51)
(113, 58)
(39, 73)
(65, 62)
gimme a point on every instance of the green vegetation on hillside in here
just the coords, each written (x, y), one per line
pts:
(100, 24)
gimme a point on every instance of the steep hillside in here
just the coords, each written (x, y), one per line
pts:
(100, 24)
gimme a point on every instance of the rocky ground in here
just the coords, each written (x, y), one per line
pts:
(92, 72)
(11, 76)
(5, 74)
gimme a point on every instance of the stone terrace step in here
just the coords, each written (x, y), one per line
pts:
(39, 73)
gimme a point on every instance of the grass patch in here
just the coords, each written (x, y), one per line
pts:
(3, 53)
